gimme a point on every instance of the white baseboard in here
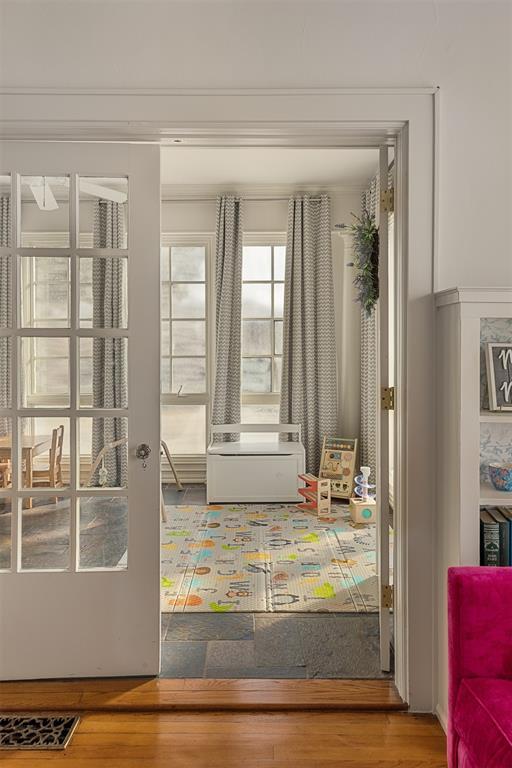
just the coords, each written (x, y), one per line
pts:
(442, 717)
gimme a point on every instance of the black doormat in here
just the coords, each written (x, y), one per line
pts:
(36, 731)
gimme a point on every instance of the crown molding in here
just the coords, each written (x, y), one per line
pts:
(194, 191)
(45, 91)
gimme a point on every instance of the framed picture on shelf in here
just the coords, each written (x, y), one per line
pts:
(498, 358)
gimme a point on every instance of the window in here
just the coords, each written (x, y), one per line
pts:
(262, 327)
(188, 340)
(186, 349)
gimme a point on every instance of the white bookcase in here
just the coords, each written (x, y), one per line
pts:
(468, 434)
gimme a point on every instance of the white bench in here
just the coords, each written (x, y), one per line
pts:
(251, 471)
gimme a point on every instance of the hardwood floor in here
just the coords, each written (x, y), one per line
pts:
(248, 740)
(157, 694)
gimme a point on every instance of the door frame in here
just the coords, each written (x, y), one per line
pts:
(342, 118)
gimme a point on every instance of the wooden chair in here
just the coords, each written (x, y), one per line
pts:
(5, 474)
(51, 476)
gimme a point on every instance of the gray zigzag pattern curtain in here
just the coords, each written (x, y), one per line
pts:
(5, 310)
(228, 294)
(309, 379)
(369, 351)
(368, 441)
(109, 363)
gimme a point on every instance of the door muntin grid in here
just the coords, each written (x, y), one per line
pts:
(28, 400)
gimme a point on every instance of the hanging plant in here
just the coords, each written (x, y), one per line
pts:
(365, 239)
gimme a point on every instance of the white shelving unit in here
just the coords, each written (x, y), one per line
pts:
(496, 417)
(489, 495)
(460, 419)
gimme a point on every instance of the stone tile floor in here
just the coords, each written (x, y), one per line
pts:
(259, 645)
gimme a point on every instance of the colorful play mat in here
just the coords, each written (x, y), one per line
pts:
(266, 557)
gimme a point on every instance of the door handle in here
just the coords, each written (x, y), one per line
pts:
(142, 453)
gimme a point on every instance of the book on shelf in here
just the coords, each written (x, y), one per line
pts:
(496, 536)
(489, 539)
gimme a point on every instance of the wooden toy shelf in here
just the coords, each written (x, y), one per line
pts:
(317, 494)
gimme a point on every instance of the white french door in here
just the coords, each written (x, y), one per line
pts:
(79, 393)
(385, 406)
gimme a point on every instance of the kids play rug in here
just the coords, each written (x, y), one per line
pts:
(266, 557)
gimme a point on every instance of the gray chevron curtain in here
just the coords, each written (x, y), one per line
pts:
(109, 362)
(228, 312)
(309, 379)
(5, 310)
(369, 383)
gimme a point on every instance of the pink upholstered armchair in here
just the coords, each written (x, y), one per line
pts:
(480, 668)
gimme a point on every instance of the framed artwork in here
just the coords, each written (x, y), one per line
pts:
(338, 464)
(498, 357)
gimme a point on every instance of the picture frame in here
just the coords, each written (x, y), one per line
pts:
(498, 359)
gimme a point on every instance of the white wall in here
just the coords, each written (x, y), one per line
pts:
(464, 47)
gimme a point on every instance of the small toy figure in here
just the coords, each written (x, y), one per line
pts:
(363, 507)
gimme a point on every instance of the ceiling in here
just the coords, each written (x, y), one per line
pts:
(268, 166)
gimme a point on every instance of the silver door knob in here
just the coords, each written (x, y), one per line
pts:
(142, 452)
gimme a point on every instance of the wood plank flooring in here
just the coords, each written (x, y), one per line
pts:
(248, 740)
(157, 694)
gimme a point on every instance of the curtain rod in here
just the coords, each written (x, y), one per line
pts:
(245, 199)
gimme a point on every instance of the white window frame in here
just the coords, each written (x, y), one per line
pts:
(272, 239)
(194, 464)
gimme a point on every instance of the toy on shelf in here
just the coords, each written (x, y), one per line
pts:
(363, 507)
(317, 494)
(338, 465)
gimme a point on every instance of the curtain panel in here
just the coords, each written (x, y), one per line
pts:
(5, 311)
(228, 313)
(309, 380)
(109, 362)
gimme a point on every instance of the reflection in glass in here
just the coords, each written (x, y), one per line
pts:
(45, 458)
(278, 299)
(279, 261)
(104, 372)
(260, 414)
(5, 374)
(45, 211)
(188, 300)
(5, 533)
(45, 533)
(257, 262)
(188, 375)
(256, 374)
(256, 300)
(184, 429)
(44, 380)
(5, 291)
(188, 337)
(188, 263)
(103, 209)
(104, 292)
(256, 337)
(103, 527)
(276, 375)
(45, 292)
(278, 337)
(104, 452)
(165, 375)
(5, 210)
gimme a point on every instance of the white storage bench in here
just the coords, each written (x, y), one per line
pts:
(254, 471)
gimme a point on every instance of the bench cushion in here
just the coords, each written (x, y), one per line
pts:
(483, 721)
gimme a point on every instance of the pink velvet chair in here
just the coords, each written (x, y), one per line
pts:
(480, 668)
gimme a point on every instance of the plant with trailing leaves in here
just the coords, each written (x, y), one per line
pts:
(365, 243)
